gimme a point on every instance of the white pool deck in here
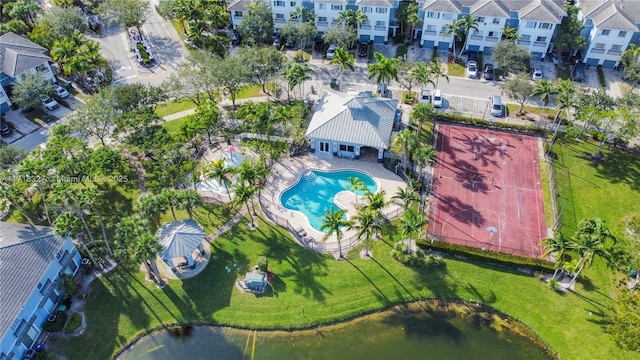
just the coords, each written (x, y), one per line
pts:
(286, 172)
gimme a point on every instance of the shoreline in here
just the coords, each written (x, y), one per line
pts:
(467, 311)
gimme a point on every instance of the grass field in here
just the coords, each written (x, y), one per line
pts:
(455, 69)
(173, 126)
(172, 107)
(121, 305)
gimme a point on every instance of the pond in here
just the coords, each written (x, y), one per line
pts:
(419, 330)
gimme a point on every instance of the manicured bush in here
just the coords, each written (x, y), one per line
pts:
(417, 258)
(143, 53)
(409, 97)
(75, 320)
(603, 80)
(57, 325)
(484, 123)
(434, 54)
(484, 255)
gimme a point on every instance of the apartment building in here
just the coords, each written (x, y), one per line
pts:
(380, 20)
(609, 27)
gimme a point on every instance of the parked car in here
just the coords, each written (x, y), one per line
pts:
(497, 108)
(5, 129)
(331, 52)
(62, 92)
(290, 43)
(277, 43)
(536, 73)
(48, 102)
(472, 69)
(489, 72)
(235, 38)
(319, 45)
(578, 71)
(437, 98)
(363, 50)
(425, 97)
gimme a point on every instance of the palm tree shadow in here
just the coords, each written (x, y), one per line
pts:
(378, 292)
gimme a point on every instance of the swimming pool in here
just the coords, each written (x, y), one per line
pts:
(314, 192)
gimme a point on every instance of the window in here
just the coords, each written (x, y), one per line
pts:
(447, 16)
(443, 30)
(41, 68)
(324, 146)
(278, 3)
(431, 28)
(366, 9)
(525, 38)
(381, 10)
(336, 7)
(616, 47)
(30, 337)
(380, 23)
(292, 4)
(622, 34)
(599, 46)
(481, 19)
(496, 21)
(605, 32)
(322, 19)
(433, 15)
(541, 39)
(237, 13)
(279, 16)
(322, 6)
(530, 24)
(348, 148)
(545, 25)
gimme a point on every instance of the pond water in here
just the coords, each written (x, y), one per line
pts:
(401, 333)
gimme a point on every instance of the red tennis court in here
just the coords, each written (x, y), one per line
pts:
(487, 191)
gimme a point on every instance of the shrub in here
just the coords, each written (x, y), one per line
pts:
(480, 61)
(143, 53)
(434, 54)
(299, 56)
(370, 55)
(484, 123)
(417, 258)
(263, 263)
(75, 320)
(409, 97)
(484, 255)
(57, 325)
(603, 80)
(401, 51)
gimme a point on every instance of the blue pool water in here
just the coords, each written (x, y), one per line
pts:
(314, 193)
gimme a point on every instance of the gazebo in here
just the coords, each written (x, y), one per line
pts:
(180, 240)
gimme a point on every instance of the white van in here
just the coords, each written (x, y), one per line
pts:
(496, 106)
(437, 98)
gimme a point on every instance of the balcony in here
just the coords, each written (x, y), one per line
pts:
(380, 28)
(429, 32)
(279, 21)
(540, 44)
(365, 27)
(444, 34)
(597, 50)
(492, 39)
(524, 42)
(614, 52)
(295, 21)
(476, 37)
(323, 23)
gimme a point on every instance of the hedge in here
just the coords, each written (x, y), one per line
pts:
(484, 255)
(485, 123)
(603, 80)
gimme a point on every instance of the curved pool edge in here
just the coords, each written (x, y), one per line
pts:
(442, 305)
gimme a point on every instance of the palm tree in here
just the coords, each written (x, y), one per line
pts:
(244, 193)
(468, 23)
(558, 245)
(424, 155)
(92, 198)
(351, 18)
(345, 59)
(366, 224)
(455, 29)
(401, 144)
(69, 225)
(152, 206)
(71, 197)
(384, 69)
(510, 33)
(376, 202)
(565, 100)
(220, 172)
(296, 74)
(135, 241)
(356, 185)
(421, 113)
(421, 73)
(545, 89)
(437, 71)
(332, 223)
(406, 195)
(411, 223)
(189, 199)
(171, 199)
(593, 239)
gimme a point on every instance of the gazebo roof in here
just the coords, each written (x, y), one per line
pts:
(179, 238)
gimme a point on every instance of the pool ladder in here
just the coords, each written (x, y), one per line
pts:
(309, 176)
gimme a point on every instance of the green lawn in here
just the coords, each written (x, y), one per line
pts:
(512, 111)
(172, 107)
(455, 69)
(173, 126)
(121, 305)
(250, 91)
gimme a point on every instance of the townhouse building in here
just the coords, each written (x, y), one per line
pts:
(326, 12)
(381, 23)
(536, 21)
(282, 10)
(238, 8)
(609, 27)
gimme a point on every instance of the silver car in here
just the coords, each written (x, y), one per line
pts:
(536, 73)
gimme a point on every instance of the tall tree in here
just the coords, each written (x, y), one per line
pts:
(631, 63)
(333, 221)
(93, 199)
(559, 246)
(468, 23)
(422, 156)
(341, 36)
(345, 59)
(410, 224)
(593, 239)
(264, 63)
(454, 29)
(68, 225)
(189, 199)
(256, 26)
(510, 33)
(421, 74)
(519, 89)
(421, 113)
(135, 241)
(401, 143)
(231, 74)
(244, 193)
(366, 225)
(296, 74)
(152, 206)
(96, 116)
(65, 20)
(568, 37)
(130, 13)
(384, 69)
(218, 170)
(357, 185)
(28, 91)
(11, 193)
(406, 196)
(511, 57)
(437, 72)
(545, 90)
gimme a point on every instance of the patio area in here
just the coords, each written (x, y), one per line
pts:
(287, 172)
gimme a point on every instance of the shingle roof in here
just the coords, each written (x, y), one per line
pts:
(354, 119)
(489, 8)
(537, 10)
(378, 3)
(612, 14)
(26, 253)
(447, 6)
(18, 54)
(179, 238)
(242, 5)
